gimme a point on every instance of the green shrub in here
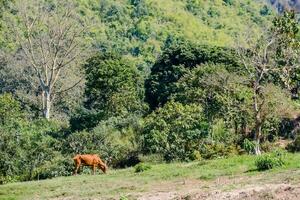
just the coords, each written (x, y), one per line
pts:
(295, 145)
(58, 166)
(114, 140)
(248, 146)
(10, 109)
(195, 155)
(141, 167)
(270, 161)
(218, 150)
(175, 131)
(28, 151)
(220, 133)
(6, 179)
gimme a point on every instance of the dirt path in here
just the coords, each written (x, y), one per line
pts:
(270, 191)
(283, 186)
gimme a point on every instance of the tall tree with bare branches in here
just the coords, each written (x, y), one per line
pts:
(271, 62)
(50, 39)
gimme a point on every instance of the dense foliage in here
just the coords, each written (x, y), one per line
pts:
(27, 148)
(153, 80)
(175, 131)
(113, 85)
(174, 64)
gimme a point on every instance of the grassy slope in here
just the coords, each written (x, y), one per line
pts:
(125, 182)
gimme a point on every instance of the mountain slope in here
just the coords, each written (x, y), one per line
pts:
(139, 28)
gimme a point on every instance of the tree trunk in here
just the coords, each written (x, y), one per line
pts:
(47, 104)
(258, 124)
(257, 140)
(258, 120)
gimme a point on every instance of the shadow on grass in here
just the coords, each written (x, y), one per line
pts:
(207, 177)
(251, 170)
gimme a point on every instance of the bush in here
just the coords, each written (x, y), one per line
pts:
(27, 150)
(175, 131)
(10, 109)
(221, 133)
(141, 167)
(128, 160)
(196, 155)
(295, 145)
(58, 166)
(248, 146)
(114, 140)
(123, 198)
(269, 161)
(218, 150)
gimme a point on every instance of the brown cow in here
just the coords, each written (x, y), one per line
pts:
(92, 160)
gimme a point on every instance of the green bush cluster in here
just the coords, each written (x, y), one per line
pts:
(174, 131)
(28, 151)
(141, 167)
(218, 150)
(270, 160)
(248, 146)
(295, 145)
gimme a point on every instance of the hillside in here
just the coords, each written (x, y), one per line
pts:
(139, 28)
(228, 179)
(182, 82)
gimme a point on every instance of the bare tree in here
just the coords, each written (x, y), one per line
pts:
(50, 36)
(260, 61)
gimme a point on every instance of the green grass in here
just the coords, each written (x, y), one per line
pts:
(118, 183)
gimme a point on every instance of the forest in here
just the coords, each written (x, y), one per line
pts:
(171, 80)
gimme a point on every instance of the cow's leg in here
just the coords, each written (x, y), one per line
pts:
(76, 169)
(77, 166)
(94, 169)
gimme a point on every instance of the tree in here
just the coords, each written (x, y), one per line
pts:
(262, 64)
(222, 94)
(287, 49)
(113, 86)
(51, 45)
(176, 61)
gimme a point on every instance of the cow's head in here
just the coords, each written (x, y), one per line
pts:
(102, 166)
